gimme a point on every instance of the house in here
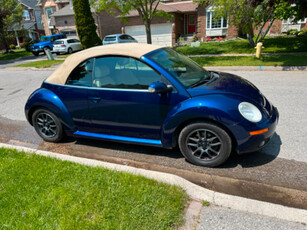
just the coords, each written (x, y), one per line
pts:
(58, 17)
(31, 22)
(189, 21)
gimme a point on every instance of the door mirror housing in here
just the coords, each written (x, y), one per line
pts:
(159, 87)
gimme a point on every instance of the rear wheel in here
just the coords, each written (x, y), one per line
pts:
(47, 125)
(205, 144)
(69, 50)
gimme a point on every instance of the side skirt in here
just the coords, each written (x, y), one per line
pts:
(119, 138)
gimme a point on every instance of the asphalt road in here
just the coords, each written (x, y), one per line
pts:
(283, 162)
(286, 90)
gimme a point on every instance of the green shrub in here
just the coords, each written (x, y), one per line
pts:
(28, 43)
(85, 24)
(22, 45)
(303, 31)
(12, 47)
(292, 32)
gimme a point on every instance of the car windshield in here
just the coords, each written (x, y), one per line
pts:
(182, 68)
(44, 39)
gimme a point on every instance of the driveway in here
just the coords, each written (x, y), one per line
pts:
(280, 167)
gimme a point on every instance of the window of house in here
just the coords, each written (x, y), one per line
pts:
(50, 11)
(123, 73)
(26, 15)
(215, 23)
(82, 74)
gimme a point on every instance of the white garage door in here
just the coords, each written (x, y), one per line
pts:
(161, 34)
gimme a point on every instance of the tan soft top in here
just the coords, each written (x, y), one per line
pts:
(136, 50)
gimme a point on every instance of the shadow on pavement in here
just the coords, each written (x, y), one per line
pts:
(262, 157)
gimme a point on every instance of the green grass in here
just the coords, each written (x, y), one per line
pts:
(265, 60)
(17, 54)
(41, 64)
(271, 45)
(37, 192)
(64, 56)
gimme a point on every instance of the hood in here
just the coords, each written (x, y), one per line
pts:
(228, 83)
(42, 43)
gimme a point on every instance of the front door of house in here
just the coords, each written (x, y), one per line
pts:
(191, 23)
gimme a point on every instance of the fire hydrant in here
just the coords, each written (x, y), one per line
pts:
(258, 49)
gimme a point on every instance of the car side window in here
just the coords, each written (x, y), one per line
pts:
(82, 74)
(123, 73)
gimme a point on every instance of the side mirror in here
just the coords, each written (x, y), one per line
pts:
(159, 87)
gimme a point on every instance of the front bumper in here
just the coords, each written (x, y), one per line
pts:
(256, 142)
(37, 50)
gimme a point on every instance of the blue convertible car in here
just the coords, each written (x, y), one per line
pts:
(152, 95)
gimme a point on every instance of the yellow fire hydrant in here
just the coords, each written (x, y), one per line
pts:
(258, 49)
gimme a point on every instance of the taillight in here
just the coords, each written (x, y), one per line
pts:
(63, 45)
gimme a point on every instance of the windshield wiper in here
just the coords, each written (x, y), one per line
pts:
(202, 81)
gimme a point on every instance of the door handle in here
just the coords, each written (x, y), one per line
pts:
(95, 99)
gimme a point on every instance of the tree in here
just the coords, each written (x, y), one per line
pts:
(249, 15)
(10, 14)
(85, 24)
(147, 10)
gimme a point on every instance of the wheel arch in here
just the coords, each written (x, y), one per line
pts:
(46, 99)
(202, 119)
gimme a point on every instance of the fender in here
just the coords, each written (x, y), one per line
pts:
(45, 98)
(214, 107)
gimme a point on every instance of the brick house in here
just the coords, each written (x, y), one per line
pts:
(189, 21)
(58, 17)
(31, 22)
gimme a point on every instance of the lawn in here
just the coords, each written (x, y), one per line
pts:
(271, 45)
(265, 60)
(41, 64)
(37, 192)
(17, 54)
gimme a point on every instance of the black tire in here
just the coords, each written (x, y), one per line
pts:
(69, 50)
(57, 53)
(47, 125)
(35, 53)
(205, 144)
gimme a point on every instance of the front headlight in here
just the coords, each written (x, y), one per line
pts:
(250, 112)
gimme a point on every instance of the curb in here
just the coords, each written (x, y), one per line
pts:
(195, 191)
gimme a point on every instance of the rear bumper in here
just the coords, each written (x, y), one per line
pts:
(256, 142)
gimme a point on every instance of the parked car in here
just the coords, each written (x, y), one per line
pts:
(45, 42)
(118, 38)
(151, 95)
(67, 45)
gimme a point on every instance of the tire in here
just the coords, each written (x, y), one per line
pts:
(69, 50)
(35, 53)
(47, 125)
(57, 53)
(205, 144)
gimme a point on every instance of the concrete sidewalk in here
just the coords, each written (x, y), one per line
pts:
(225, 211)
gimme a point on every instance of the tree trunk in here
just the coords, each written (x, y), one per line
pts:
(2, 37)
(148, 32)
(250, 36)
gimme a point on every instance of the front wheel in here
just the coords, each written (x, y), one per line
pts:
(205, 144)
(47, 125)
(35, 53)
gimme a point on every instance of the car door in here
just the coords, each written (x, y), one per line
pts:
(119, 100)
(74, 94)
